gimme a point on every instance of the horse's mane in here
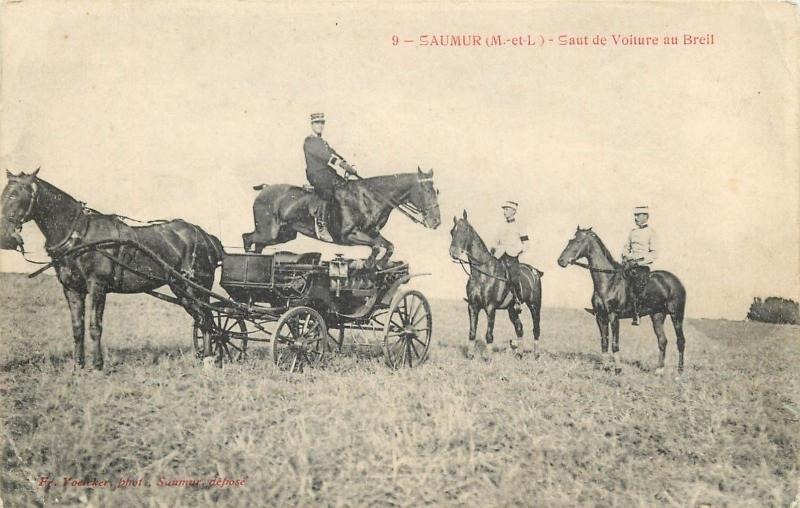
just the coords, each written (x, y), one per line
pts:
(604, 249)
(481, 243)
(382, 180)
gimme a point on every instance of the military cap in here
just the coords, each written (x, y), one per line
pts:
(317, 117)
(510, 204)
(641, 209)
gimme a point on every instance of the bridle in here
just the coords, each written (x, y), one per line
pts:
(17, 222)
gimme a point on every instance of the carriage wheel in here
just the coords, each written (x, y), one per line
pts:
(408, 329)
(224, 331)
(301, 338)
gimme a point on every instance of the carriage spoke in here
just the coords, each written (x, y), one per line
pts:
(411, 346)
(403, 358)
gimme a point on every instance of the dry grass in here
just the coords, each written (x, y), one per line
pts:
(557, 431)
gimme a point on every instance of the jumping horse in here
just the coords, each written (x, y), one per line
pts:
(488, 288)
(68, 224)
(282, 211)
(611, 299)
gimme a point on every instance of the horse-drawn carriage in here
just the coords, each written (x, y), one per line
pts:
(295, 301)
(300, 294)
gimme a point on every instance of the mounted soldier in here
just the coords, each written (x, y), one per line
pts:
(637, 256)
(321, 164)
(511, 242)
(361, 207)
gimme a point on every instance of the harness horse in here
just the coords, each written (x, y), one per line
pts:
(611, 299)
(95, 254)
(488, 286)
(282, 211)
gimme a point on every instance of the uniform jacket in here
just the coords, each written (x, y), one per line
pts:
(641, 246)
(318, 152)
(511, 240)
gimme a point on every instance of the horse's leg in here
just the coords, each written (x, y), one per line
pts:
(490, 310)
(359, 238)
(97, 299)
(77, 304)
(602, 324)
(614, 320)
(388, 250)
(517, 322)
(677, 322)
(474, 313)
(536, 312)
(658, 327)
(267, 232)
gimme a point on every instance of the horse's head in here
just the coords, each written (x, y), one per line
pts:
(576, 248)
(460, 236)
(425, 197)
(17, 202)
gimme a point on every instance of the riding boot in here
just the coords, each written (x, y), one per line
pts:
(635, 321)
(517, 298)
(320, 223)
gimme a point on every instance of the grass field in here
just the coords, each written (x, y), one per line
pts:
(557, 431)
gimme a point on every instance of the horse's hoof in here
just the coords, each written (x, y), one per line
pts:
(209, 364)
(514, 345)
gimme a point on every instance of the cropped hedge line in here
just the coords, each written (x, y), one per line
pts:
(774, 310)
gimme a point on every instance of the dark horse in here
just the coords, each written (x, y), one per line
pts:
(487, 287)
(611, 300)
(282, 211)
(67, 224)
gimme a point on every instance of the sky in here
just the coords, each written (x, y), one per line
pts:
(165, 109)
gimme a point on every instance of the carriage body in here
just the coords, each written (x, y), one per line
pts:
(342, 298)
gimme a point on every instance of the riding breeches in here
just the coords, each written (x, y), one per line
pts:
(325, 182)
(639, 275)
(511, 263)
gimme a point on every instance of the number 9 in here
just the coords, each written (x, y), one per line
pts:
(395, 40)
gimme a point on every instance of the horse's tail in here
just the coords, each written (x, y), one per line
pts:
(219, 250)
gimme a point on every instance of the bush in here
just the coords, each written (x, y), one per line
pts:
(774, 310)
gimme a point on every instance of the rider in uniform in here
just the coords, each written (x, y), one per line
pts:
(321, 174)
(639, 253)
(511, 242)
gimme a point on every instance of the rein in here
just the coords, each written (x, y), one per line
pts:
(593, 269)
(470, 261)
(406, 208)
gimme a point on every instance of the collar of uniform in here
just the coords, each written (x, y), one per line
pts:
(642, 227)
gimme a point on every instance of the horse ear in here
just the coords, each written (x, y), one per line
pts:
(430, 173)
(419, 171)
(455, 221)
(465, 215)
(589, 228)
(36, 172)
(9, 174)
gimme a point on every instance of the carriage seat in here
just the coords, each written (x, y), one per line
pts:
(306, 258)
